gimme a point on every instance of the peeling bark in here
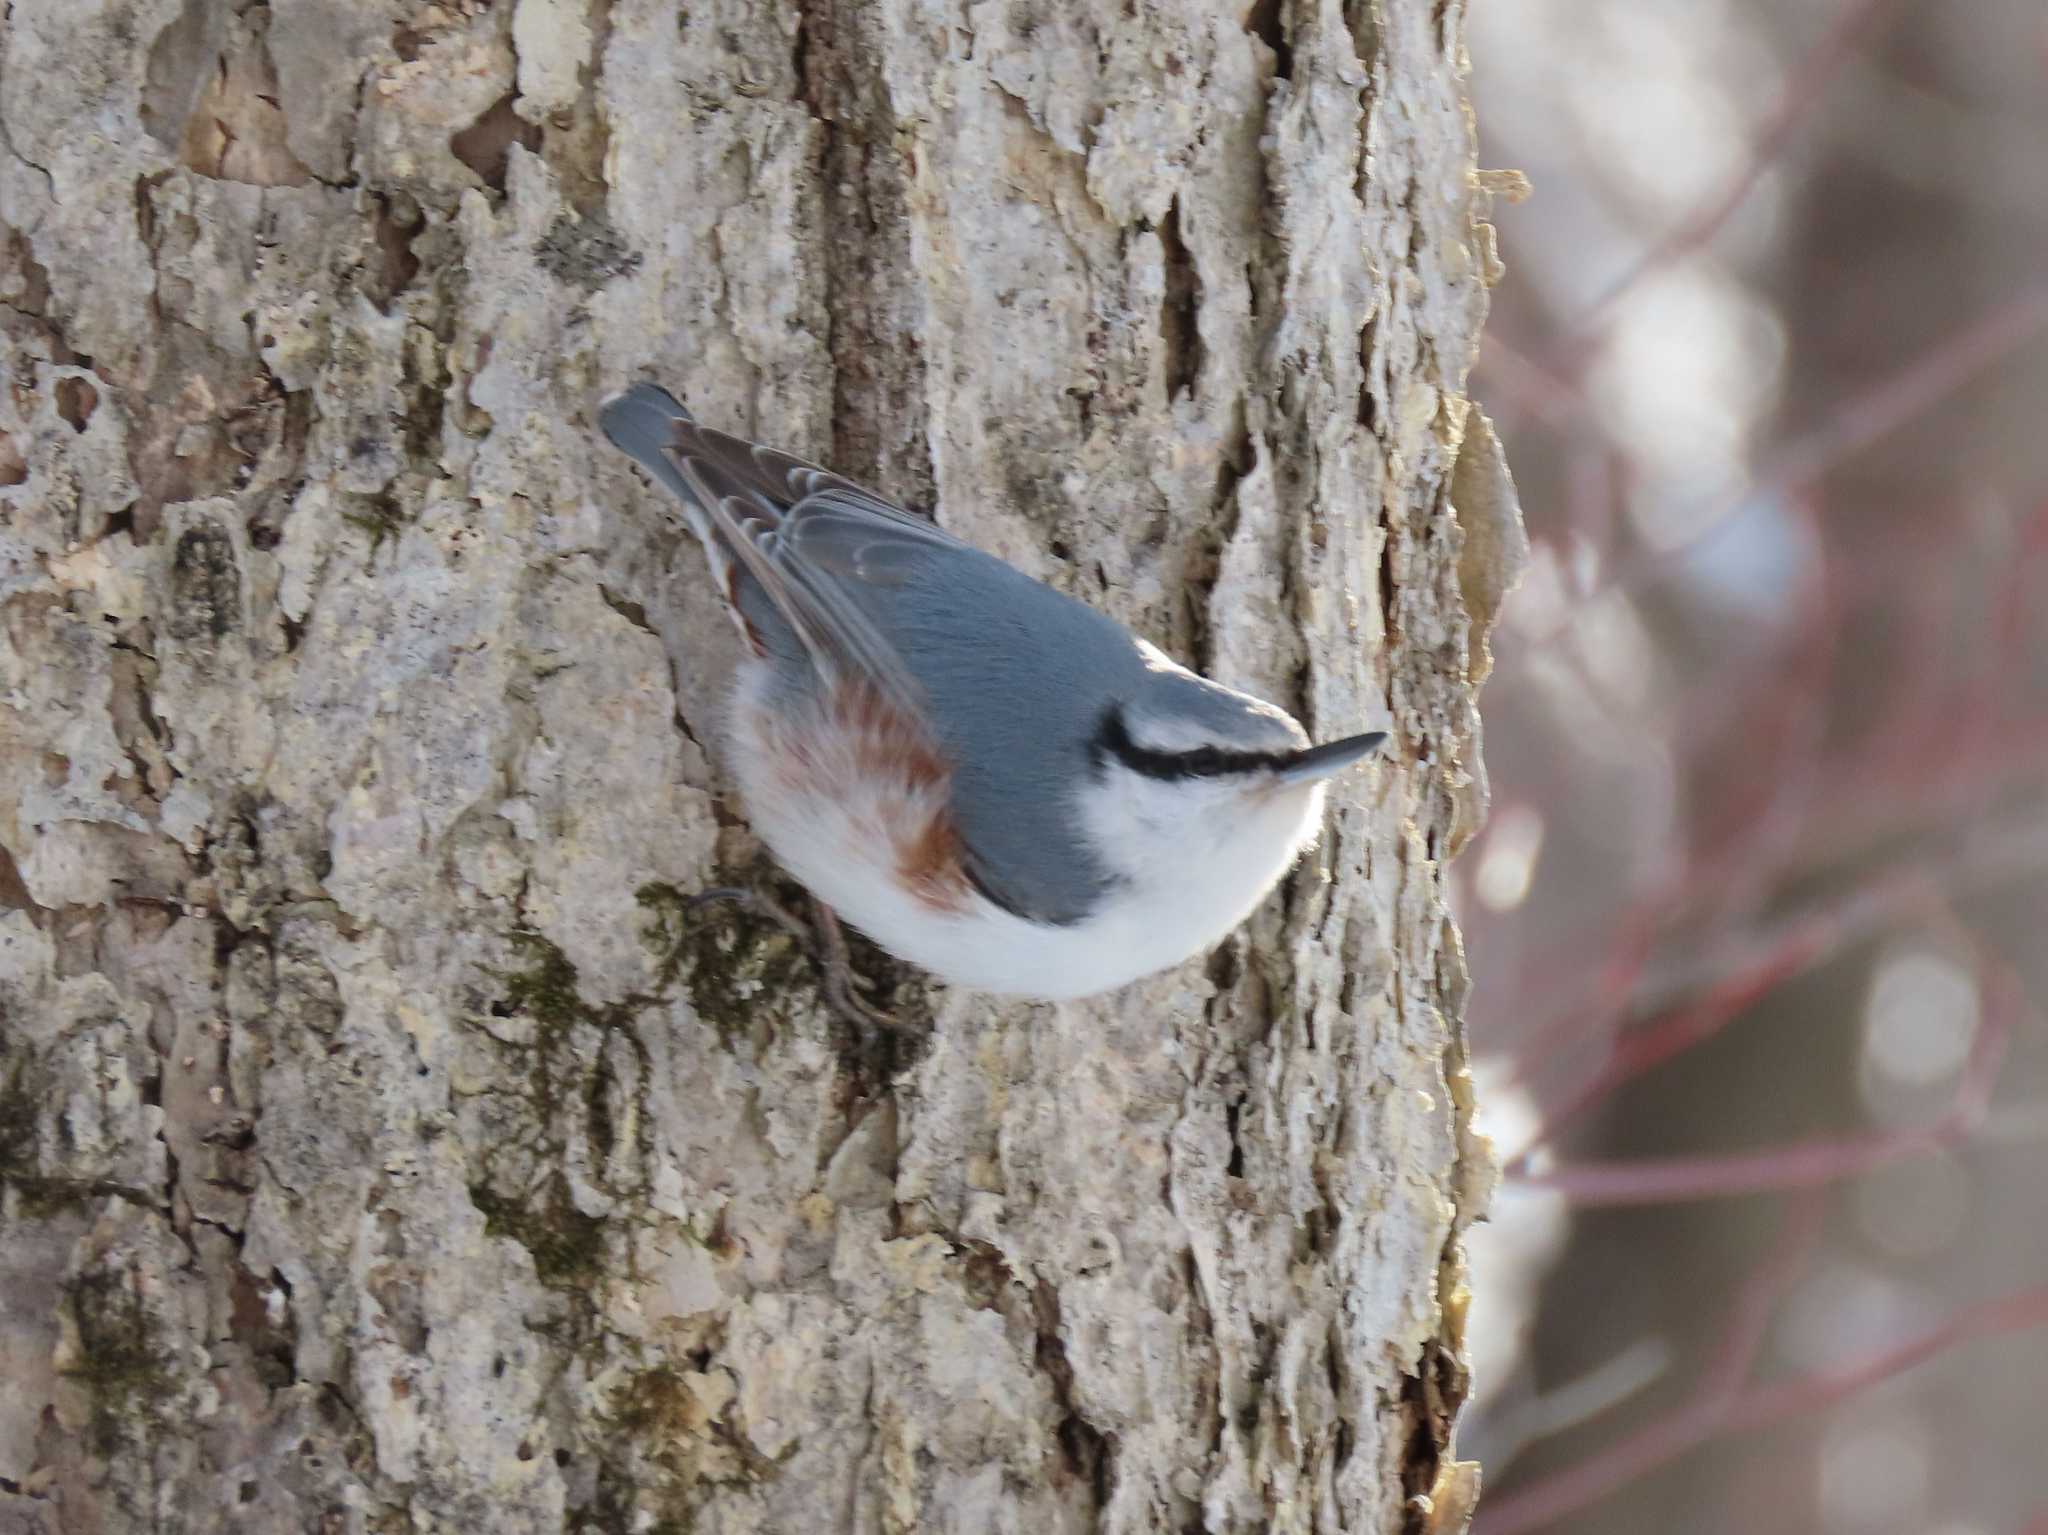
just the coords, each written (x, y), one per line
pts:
(384, 1142)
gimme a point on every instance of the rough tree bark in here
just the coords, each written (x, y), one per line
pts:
(384, 1146)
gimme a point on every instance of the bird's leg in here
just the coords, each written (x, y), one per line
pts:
(761, 904)
(821, 938)
(839, 977)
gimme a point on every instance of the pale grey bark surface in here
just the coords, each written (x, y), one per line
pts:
(382, 1147)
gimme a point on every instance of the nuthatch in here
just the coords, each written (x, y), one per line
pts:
(988, 778)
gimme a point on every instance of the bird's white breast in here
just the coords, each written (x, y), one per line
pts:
(838, 826)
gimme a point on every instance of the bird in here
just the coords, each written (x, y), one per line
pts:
(991, 779)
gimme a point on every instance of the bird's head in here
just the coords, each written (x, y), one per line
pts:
(1201, 796)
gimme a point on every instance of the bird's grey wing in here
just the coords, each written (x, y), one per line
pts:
(988, 658)
(801, 534)
(994, 663)
(1017, 679)
(858, 537)
(985, 657)
(773, 483)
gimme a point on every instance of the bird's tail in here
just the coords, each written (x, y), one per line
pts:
(653, 428)
(650, 426)
(642, 424)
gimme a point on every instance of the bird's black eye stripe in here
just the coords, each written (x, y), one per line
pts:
(1113, 739)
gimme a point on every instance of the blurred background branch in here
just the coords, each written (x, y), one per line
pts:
(1756, 924)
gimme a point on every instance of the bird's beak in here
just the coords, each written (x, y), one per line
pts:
(1313, 764)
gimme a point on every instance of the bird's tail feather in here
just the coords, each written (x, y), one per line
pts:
(649, 425)
(642, 424)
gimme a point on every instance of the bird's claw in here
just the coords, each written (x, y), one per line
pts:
(820, 938)
(840, 979)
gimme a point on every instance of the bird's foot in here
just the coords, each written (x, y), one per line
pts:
(840, 979)
(822, 939)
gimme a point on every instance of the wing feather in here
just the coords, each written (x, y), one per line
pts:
(810, 539)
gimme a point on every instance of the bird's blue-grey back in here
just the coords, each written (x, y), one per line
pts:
(1017, 678)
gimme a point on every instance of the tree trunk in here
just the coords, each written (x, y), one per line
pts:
(385, 1145)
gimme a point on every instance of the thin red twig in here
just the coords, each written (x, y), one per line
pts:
(1757, 1301)
(1937, 372)
(1797, 773)
(1755, 1407)
(1697, 1006)
(1717, 1393)
(1515, 378)
(1801, 94)
(1810, 1393)
(1923, 383)
(1641, 1050)
(1813, 1164)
